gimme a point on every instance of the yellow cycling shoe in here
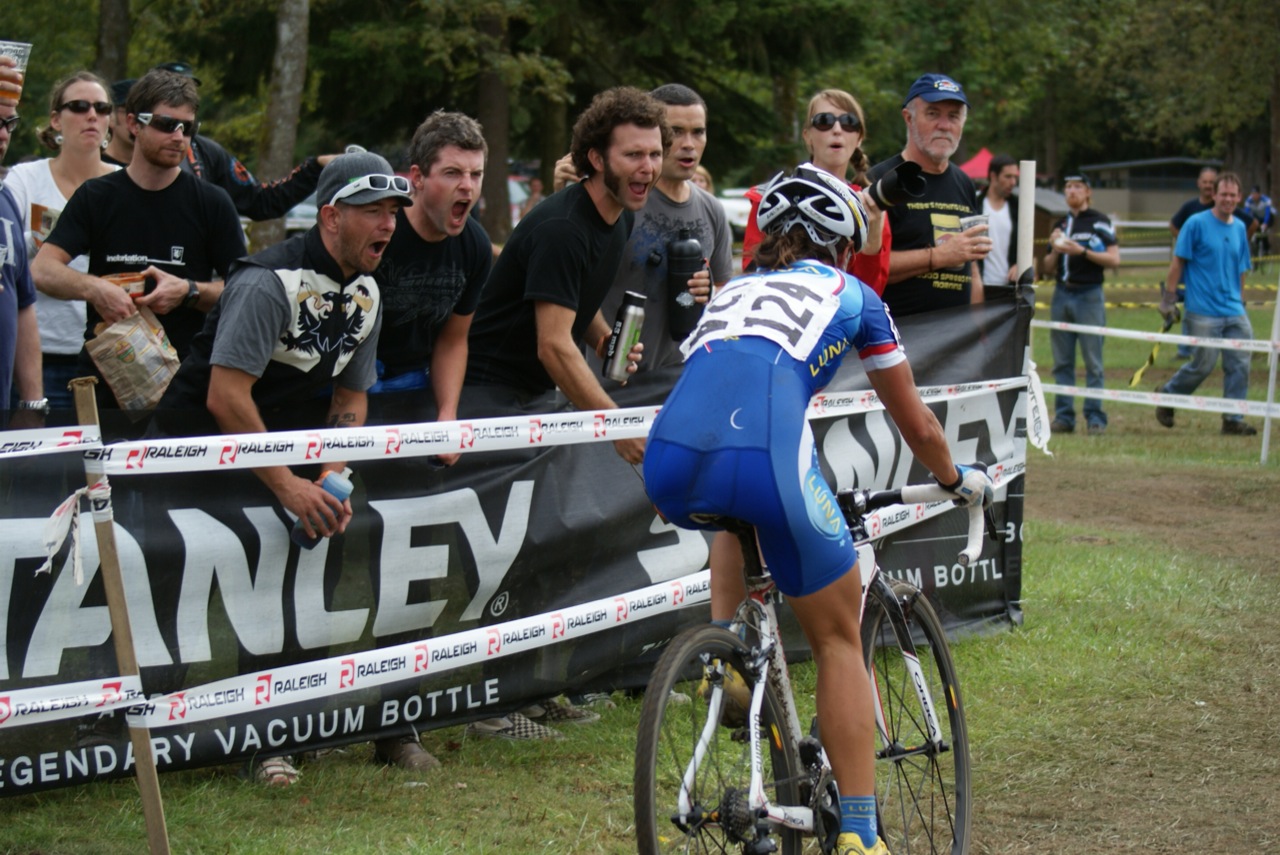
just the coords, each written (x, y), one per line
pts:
(737, 696)
(851, 844)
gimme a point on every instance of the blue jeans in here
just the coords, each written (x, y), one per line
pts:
(1235, 363)
(1086, 308)
(56, 378)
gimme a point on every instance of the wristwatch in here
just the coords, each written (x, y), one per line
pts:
(193, 295)
(40, 405)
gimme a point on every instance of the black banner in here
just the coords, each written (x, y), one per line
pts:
(408, 619)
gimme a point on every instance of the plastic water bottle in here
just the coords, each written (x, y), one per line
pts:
(684, 258)
(335, 484)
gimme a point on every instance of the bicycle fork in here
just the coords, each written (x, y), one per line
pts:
(897, 615)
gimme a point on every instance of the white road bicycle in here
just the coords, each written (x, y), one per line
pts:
(716, 772)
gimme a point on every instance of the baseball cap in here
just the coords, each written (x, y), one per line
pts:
(1077, 176)
(347, 169)
(935, 87)
(120, 91)
(183, 68)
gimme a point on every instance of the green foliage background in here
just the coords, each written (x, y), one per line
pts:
(1062, 82)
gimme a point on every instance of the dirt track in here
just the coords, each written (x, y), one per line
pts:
(1167, 773)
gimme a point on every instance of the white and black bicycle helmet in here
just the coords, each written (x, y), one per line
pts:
(814, 198)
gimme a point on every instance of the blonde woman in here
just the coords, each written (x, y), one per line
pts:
(79, 110)
(834, 133)
(702, 177)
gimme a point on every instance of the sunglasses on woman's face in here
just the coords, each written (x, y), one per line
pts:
(81, 106)
(826, 121)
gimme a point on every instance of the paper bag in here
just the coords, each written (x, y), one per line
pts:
(136, 359)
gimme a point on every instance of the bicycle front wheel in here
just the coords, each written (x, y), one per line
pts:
(677, 751)
(922, 784)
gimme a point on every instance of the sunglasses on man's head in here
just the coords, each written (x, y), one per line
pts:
(849, 122)
(168, 124)
(10, 124)
(373, 181)
(82, 106)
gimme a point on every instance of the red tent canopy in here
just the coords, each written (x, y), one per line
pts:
(976, 166)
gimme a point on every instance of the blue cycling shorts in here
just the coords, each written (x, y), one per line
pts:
(732, 440)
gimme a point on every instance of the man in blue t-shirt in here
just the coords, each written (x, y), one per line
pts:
(19, 334)
(1212, 254)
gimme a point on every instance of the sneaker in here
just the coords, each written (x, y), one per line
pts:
(1164, 415)
(593, 700)
(557, 711)
(99, 730)
(1237, 427)
(1097, 429)
(851, 844)
(515, 727)
(272, 771)
(403, 752)
(737, 696)
(1057, 426)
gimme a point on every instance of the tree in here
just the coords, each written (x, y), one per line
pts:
(114, 29)
(288, 79)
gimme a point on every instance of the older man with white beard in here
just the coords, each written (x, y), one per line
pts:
(934, 262)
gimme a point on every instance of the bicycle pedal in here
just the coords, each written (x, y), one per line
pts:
(760, 846)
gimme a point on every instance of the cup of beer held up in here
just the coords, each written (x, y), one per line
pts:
(19, 52)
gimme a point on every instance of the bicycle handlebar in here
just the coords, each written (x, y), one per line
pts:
(864, 501)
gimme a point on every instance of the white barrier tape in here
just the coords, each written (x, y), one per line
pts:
(68, 700)
(325, 678)
(1170, 338)
(1167, 399)
(826, 405)
(21, 443)
(382, 442)
(1037, 412)
(64, 524)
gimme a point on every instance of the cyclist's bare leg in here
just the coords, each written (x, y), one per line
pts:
(727, 587)
(846, 716)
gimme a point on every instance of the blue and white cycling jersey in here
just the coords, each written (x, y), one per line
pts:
(732, 439)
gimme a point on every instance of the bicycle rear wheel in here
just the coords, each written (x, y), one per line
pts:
(922, 789)
(672, 724)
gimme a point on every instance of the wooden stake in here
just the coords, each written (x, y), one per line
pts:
(122, 635)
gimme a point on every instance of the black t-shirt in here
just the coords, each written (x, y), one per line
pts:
(1092, 230)
(423, 283)
(924, 222)
(563, 252)
(189, 229)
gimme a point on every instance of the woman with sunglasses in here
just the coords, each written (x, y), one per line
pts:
(834, 133)
(79, 110)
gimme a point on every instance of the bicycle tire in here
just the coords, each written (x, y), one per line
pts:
(669, 729)
(924, 795)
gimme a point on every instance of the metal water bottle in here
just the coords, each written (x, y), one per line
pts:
(337, 485)
(684, 258)
(626, 332)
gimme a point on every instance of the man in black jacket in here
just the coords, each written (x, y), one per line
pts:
(208, 160)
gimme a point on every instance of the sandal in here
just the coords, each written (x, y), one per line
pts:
(274, 771)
